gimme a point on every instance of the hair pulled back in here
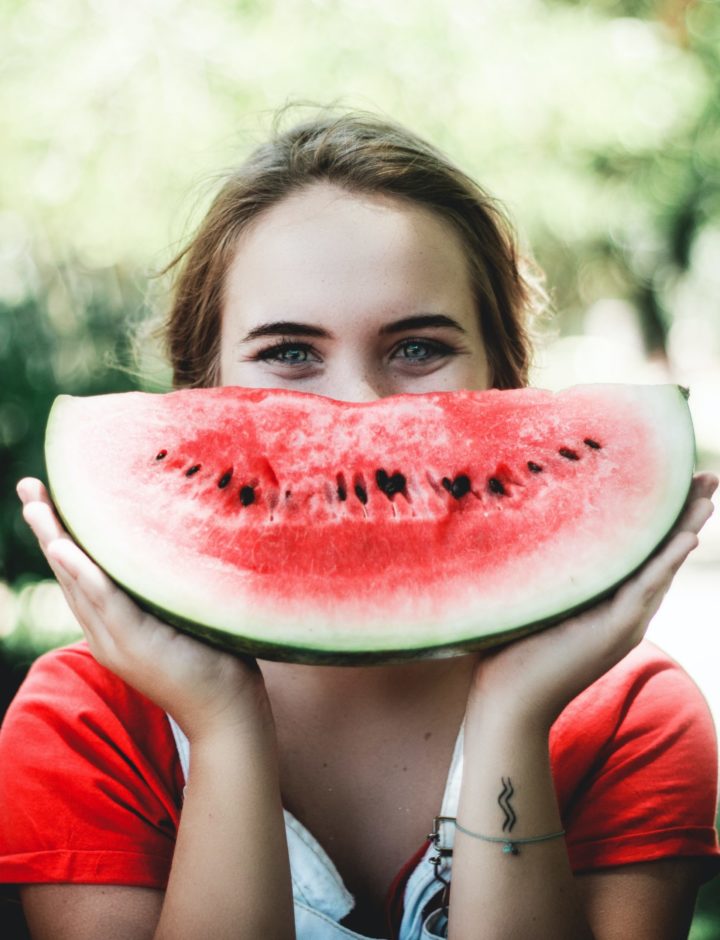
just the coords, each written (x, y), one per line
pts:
(364, 154)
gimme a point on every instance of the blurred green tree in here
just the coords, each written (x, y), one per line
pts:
(68, 336)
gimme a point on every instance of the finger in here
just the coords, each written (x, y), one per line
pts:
(77, 572)
(44, 523)
(30, 489)
(704, 484)
(85, 574)
(69, 565)
(49, 533)
(69, 589)
(667, 562)
(96, 631)
(695, 515)
(702, 489)
(109, 602)
(80, 608)
(33, 492)
(649, 586)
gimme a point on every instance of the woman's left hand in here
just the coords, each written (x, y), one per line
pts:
(537, 676)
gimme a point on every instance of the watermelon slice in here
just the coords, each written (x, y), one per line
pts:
(296, 527)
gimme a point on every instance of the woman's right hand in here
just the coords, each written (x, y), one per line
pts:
(203, 688)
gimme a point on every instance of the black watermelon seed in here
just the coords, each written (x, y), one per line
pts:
(225, 479)
(495, 486)
(390, 485)
(193, 470)
(398, 482)
(361, 493)
(161, 454)
(247, 495)
(591, 443)
(568, 454)
(459, 487)
(447, 483)
(341, 487)
(534, 467)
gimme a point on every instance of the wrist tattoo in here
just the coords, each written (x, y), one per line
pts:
(504, 803)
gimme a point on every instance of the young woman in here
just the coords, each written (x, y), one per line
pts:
(154, 787)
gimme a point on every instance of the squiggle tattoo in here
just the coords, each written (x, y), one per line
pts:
(504, 803)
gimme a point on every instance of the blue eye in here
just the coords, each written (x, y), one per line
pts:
(415, 350)
(287, 353)
(419, 351)
(292, 354)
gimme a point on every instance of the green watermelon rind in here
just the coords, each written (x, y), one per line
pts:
(460, 639)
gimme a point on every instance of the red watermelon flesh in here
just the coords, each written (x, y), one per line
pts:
(298, 527)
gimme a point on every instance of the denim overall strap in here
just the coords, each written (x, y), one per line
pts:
(423, 883)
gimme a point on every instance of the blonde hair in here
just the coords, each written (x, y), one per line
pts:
(365, 154)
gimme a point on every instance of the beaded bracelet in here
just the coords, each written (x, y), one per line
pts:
(510, 845)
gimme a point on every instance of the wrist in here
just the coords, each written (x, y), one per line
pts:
(507, 785)
(510, 716)
(243, 713)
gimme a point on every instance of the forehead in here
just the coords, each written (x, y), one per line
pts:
(324, 246)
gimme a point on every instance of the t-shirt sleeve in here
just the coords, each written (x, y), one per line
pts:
(90, 785)
(636, 767)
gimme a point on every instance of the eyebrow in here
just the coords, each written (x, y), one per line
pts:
(419, 321)
(289, 327)
(283, 328)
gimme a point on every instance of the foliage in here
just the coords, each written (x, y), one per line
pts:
(63, 337)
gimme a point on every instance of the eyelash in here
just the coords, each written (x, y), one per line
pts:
(272, 353)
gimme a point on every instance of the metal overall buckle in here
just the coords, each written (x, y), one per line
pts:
(443, 852)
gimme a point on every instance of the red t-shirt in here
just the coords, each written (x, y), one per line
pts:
(91, 783)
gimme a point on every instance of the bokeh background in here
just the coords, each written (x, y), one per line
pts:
(597, 124)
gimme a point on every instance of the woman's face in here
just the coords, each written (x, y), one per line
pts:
(350, 296)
